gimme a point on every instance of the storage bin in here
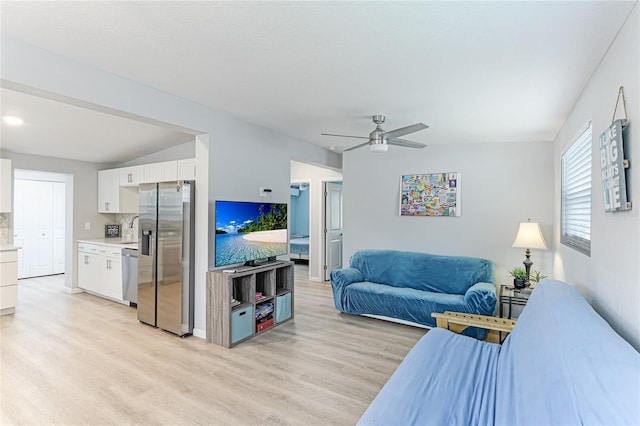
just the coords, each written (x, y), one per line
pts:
(283, 307)
(264, 325)
(241, 323)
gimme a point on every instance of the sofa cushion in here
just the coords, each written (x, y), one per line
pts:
(404, 303)
(446, 379)
(563, 364)
(422, 271)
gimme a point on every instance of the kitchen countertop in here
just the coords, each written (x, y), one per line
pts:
(9, 247)
(115, 242)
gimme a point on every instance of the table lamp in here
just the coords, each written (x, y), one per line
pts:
(529, 237)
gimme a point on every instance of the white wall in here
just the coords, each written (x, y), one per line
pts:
(316, 176)
(237, 159)
(178, 152)
(610, 278)
(502, 184)
(248, 159)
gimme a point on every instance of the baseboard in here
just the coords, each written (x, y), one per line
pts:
(202, 334)
(7, 311)
(399, 321)
(74, 290)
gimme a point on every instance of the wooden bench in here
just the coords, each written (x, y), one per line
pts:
(458, 321)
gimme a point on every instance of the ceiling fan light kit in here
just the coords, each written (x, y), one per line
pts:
(379, 139)
(379, 147)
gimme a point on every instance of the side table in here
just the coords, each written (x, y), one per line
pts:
(510, 296)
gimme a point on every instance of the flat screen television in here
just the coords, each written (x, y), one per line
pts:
(249, 232)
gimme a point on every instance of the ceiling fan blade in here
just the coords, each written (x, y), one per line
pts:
(356, 147)
(404, 130)
(405, 143)
(345, 136)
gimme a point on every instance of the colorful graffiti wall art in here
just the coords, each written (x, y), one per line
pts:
(433, 194)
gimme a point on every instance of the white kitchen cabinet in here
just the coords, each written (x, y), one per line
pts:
(8, 280)
(5, 185)
(110, 271)
(100, 270)
(88, 278)
(187, 169)
(166, 171)
(169, 171)
(113, 198)
(108, 188)
(152, 172)
(131, 176)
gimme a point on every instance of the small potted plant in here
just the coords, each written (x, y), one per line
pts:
(536, 277)
(519, 276)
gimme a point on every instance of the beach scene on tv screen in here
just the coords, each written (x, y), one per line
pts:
(249, 231)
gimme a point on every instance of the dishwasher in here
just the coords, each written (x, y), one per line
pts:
(130, 275)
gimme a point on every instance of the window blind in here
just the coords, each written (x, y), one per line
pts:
(576, 194)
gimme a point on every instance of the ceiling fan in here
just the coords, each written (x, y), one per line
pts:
(379, 139)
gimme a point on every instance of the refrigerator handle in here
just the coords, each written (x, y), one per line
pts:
(146, 242)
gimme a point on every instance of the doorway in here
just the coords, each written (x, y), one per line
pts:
(39, 222)
(332, 227)
(299, 214)
(316, 177)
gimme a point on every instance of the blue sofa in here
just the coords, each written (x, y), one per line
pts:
(410, 286)
(561, 365)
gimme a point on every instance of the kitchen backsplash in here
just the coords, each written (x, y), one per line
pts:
(125, 221)
(4, 228)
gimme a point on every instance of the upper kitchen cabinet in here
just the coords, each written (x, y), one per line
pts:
(131, 176)
(187, 169)
(113, 198)
(161, 172)
(5, 186)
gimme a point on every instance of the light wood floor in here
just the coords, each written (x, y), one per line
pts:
(79, 359)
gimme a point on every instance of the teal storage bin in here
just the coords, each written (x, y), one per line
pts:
(241, 323)
(283, 307)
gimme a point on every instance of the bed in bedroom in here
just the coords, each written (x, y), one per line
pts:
(299, 247)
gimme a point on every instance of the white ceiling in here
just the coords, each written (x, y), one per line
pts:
(60, 130)
(506, 71)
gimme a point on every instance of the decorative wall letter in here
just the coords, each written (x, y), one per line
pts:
(613, 167)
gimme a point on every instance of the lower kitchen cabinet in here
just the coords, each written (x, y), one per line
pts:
(110, 267)
(100, 270)
(8, 280)
(88, 271)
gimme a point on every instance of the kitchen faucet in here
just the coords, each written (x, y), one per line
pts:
(128, 233)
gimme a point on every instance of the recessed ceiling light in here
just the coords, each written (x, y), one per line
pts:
(12, 120)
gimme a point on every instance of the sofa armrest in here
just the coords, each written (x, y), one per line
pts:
(340, 279)
(458, 321)
(481, 298)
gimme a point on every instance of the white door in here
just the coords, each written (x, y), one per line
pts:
(58, 227)
(333, 228)
(39, 227)
(39, 213)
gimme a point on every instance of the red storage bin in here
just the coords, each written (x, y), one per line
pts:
(264, 325)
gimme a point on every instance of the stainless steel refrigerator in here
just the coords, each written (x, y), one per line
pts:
(165, 256)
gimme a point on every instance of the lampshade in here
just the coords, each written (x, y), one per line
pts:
(530, 237)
